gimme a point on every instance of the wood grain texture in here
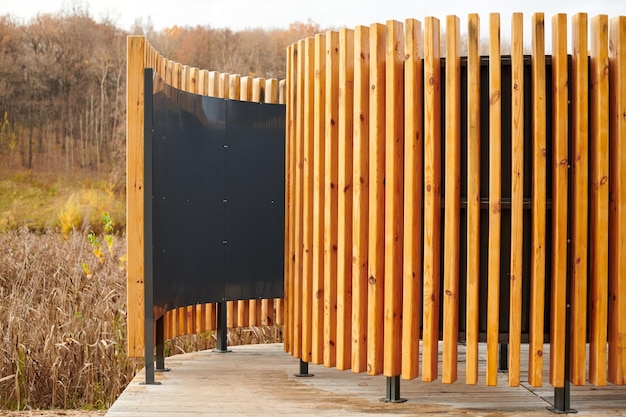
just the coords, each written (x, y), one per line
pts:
(579, 198)
(318, 198)
(432, 197)
(344, 202)
(376, 280)
(495, 198)
(394, 201)
(452, 197)
(560, 165)
(617, 204)
(599, 193)
(473, 199)
(538, 226)
(413, 182)
(360, 212)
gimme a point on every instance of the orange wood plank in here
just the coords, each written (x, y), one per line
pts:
(394, 201)
(560, 164)
(330, 198)
(413, 177)
(258, 90)
(579, 198)
(290, 186)
(517, 197)
(375, 318)
(267, 306)
(308, 196)
(538, 227)
(599, 207)
(344, 201)
(296, 291)
(617, 208)
(432, 197)
(245, 317)
(134, 203)
(318, 200)
(211, 317)
(452, 196)
(190, 318)
(473, 200)
(495, 198)
(360, 208)
(214, 83)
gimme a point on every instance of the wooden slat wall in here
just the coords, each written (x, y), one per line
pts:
(399, 285)
(201, 317)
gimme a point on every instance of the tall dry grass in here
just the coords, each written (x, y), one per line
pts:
(62, 333)
(63, 326)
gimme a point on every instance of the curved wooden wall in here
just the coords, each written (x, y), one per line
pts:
(374, 217)
(201, 317)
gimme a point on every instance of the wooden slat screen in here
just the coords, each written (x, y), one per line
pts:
(407, 188)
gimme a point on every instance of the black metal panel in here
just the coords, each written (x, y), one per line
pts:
(188, 188)
(255, 193)
(217, 198)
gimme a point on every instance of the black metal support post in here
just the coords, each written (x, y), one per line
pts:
(148, 258)
(160, 345)
(304, 370)
(222, 329)
(392, 392)
(562, 395)
(503, 364)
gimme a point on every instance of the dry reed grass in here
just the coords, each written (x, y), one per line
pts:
(63, 333)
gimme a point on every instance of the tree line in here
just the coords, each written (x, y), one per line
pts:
(63, 82)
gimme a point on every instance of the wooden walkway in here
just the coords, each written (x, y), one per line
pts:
(258, 380)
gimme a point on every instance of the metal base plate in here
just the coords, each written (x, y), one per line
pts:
(388, 400)
(162, 370)
(557, 411)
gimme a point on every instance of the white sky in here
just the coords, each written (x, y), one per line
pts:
(241, 14)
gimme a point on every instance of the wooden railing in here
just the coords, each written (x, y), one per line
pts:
(201, 317)
(381, 140)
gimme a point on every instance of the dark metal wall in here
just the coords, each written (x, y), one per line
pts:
(217, 201)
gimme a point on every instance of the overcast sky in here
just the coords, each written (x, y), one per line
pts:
(242, 14)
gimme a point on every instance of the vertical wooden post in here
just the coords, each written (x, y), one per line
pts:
(134, 201)
(495, 199)
(452, 212)
(318, 199)
(599, 209)
(617, 208)
(296, 291)
(473, 199)
(394, 201)
(330, 197)
(539, 164)
(308, 196)
(560, 167)
(579, 198)
(517, 197)
(413, 179)
(432, 197)
(344, 201)
(360, 214)
(375, 319)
